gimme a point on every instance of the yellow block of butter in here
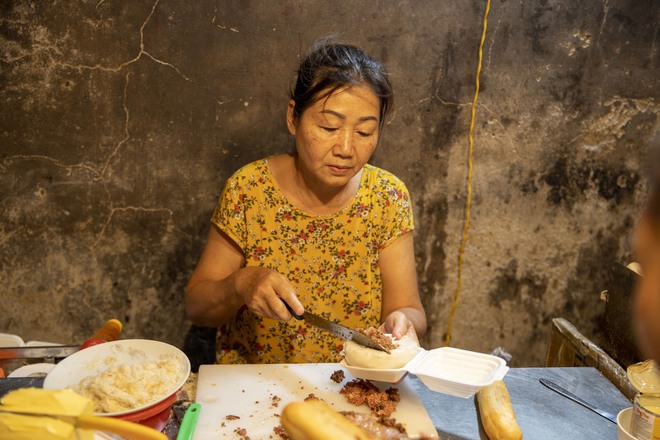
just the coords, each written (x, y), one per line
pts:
(17, 427)
(43, 403)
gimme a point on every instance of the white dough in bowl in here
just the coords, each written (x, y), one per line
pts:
(360, 356)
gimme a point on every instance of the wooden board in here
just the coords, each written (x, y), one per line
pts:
(256, 394)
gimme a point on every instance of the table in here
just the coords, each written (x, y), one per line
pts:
(541, 413)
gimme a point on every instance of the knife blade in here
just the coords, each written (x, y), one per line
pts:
(564, 392)
(337, 329)
(38, 352)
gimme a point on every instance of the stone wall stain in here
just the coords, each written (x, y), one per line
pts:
(570, 182)
(509, 286)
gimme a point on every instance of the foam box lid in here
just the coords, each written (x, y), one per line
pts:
(458, 372)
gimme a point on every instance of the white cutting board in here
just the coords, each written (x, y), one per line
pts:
(251, 391)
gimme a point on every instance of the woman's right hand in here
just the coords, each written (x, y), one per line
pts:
(221, 284)
(263, 290)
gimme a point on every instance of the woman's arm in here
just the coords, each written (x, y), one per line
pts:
(221, 284)
(402, 310)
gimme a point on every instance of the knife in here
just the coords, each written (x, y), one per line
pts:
(337, 329)
(38, 352)
(564, 392)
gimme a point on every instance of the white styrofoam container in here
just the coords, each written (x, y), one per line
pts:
(9, 340)
(446, 370)
(41, 344)
(393, 375)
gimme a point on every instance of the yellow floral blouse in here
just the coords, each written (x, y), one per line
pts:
(331, 260)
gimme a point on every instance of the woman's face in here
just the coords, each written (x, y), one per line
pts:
(336, 136)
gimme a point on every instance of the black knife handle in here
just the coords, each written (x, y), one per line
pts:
(295, 315)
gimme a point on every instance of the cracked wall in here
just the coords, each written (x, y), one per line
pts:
(121, 120)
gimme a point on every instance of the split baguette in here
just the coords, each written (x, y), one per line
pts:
(496, 413)
(316, 420)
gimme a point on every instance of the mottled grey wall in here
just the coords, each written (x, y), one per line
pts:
(121, 121)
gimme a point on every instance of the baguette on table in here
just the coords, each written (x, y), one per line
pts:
(316, 420)
(496, 413)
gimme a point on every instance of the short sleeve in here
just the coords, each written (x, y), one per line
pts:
(230, 212)
(394, 207)
(402, 220)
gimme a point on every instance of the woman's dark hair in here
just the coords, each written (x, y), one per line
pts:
(331, 65)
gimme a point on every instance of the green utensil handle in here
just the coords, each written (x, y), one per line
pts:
(189, 421)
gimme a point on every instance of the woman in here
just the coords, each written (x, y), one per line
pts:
(319, 228)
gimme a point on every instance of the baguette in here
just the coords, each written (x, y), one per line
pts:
(496, 412)
(316, 420)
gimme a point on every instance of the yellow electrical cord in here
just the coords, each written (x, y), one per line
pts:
(468, 202)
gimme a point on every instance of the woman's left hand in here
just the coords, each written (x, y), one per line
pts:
(402, 311)
(398, 325)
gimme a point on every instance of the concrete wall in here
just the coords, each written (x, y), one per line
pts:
(121, 121)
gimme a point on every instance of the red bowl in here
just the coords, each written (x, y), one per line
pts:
(95, 359)
(155, 416)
